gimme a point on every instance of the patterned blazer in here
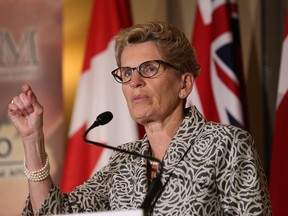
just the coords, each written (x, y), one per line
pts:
(208, 169)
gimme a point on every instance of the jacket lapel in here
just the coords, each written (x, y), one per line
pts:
(182, 142)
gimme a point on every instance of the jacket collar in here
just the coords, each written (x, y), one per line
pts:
(184, 139)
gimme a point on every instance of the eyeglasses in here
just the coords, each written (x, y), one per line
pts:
(147, 69)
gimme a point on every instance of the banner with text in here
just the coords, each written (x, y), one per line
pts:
(30, 52)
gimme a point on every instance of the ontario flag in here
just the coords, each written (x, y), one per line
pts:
(219, 92)
(278, 181)
(98, 92)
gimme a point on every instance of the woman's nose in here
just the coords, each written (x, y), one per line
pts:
(136, 79)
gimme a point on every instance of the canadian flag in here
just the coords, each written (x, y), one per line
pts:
(278, 182)
(219, 90)
(98, 92)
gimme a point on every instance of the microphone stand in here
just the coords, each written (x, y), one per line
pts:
(155, 187)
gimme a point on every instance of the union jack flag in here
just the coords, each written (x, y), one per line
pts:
(219, 90)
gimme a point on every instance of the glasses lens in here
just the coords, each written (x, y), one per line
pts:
(146, 69)
(125, 73)
(149, 69)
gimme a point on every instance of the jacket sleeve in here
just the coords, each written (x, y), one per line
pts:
(91, 196)
(240, 176)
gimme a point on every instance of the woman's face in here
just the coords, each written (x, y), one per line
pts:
(151, 99)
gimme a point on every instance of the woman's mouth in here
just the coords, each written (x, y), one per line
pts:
(139, 98)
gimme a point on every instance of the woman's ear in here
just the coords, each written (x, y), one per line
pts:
(187, 84)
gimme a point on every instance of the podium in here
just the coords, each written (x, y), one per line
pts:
(138, 212)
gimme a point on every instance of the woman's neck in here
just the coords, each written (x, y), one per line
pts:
(160, 136)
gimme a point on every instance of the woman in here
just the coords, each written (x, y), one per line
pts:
(208, 168)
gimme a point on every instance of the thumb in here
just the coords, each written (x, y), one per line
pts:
(31, 97)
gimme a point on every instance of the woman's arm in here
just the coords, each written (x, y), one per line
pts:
(241, 178)
(26, 113)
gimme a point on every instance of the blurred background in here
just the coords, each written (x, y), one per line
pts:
(261, 29)
(64, 26)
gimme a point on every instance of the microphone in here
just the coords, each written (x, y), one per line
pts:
(101, 119)
(155, 187)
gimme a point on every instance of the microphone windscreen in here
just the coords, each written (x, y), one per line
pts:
(104, 118)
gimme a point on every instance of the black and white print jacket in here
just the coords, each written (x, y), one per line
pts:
(208, 169)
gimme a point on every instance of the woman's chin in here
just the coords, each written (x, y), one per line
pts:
(140, 116)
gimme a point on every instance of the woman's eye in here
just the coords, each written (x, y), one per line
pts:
(126, 72)
(150, 69)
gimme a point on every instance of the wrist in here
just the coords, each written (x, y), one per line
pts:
(37, 175)
(35, 152)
